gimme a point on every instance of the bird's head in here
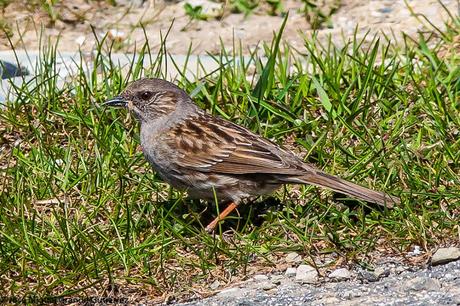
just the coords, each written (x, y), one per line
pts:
(151, 99)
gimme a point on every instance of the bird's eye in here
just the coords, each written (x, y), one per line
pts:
(145, 95)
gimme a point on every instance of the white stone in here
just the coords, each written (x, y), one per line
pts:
(276, 279)
(351, 294)
(381, 272)
(340, 274)
(231, 293)
(306, 274)
(416, 251)
(445, 255)
(267, 285)
(130, 3)
(293, 257)
(423, 283)
(290, 271)
(399, 269)
(214, 285)
(260, 277)
(369, 276)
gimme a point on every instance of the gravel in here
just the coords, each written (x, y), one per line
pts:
(397, 284)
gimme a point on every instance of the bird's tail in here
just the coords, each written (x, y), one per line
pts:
(322, 179)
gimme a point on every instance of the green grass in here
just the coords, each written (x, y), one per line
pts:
(82, 213)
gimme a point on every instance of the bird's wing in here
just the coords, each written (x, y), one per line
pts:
(209, 144)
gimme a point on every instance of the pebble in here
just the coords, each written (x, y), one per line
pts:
(290, 271)
(350, 294)
(306, 274)
(381, 272)
(214, 285)
(399, 269)
(10, 70)
(260, 277)
(450, 276)
(456, 299)
(293, 257)
(267, 286)
(131, 3)
(373, 276)
(330, 300)
(368, 276)
(445, 255)
(231, 293)
(416, 251)
(422, 283)
(340, 274)
(276, 279)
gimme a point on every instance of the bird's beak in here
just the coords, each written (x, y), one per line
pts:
(116, 102)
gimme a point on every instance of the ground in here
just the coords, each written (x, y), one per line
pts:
(76, 22)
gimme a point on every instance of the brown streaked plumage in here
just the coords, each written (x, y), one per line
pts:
(203, 154)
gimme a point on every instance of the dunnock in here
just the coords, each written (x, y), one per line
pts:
(207, 155)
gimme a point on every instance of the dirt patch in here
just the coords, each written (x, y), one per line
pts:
(77, 22)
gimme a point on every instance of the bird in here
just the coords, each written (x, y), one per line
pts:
(209, 157)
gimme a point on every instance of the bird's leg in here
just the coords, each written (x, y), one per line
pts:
(211, 226)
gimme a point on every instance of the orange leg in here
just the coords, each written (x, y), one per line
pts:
(211, 226)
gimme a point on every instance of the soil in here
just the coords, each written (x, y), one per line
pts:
(78, 23)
